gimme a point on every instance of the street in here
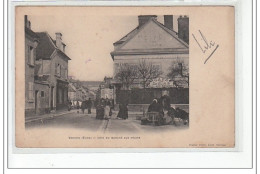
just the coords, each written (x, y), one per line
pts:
(89, 122)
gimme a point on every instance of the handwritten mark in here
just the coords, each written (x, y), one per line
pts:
(205, 46)
(211, 54)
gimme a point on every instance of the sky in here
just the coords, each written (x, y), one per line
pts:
(89, 40)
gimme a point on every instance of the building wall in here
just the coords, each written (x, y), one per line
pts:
(42, 98)
(54, 74)
(107, 93)
(163, 60)
(59, 60)
(45, 68)
(183, 28)
(79, 95)
(29, 77)
(152, 37)
(72, 96)
(56, 68)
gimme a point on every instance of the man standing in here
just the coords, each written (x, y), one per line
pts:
(83, 106)
(89, 105)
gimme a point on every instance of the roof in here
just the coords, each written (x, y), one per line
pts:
(31, 33)
(47, 47)
(128, 36)
(135, 31)
(36, 69)
(72, 88)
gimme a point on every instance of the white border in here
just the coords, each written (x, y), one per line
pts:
(241, 159)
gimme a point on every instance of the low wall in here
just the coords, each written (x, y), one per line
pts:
(144, 107)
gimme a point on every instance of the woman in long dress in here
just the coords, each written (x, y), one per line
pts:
(107, 110)
(123, 111)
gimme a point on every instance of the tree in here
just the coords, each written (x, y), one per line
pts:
(147, 71)
(178, 73)
(126, 74)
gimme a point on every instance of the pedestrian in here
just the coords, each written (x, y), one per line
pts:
(83, 106)
(89, 105)
(77, 104)
(99, 111)
(69, 105)
(154, 106)
(123, 111)
(112, 104)
(107, 109)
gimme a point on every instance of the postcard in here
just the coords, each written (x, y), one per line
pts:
(124, 77)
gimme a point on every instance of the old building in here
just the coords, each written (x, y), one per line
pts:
(31, 42)
(106, 88)
(183, 28)
(53, 68)
(72, 94)
(157, 44)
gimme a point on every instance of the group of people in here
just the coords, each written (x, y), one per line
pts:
(163, 106)
(86, 104)
(104, 108)
(160, 105)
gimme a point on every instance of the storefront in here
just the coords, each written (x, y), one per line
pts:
(62, 94)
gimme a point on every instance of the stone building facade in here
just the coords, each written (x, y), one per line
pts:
(53, 67)
(157, 44)
(31, 42)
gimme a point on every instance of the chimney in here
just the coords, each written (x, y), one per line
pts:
(168, 21)
(183, 28)
(142, 19)
(25, 20)
(59, 43)
(27, 23)
(64, 47)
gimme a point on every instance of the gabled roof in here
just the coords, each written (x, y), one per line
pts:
(47, 47)
(124, 40)
(31, 33)
(127, 37)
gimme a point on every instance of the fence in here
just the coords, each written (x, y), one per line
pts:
(141, 96)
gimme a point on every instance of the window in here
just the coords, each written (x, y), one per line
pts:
(30, 53)
(31, 92)
(66, 73)
(58, 70)
(42, 93)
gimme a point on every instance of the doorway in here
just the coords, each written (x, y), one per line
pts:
(52, 88)
(36, 101)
